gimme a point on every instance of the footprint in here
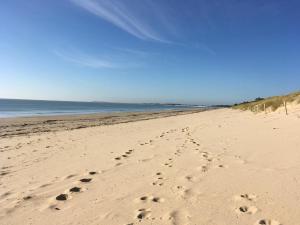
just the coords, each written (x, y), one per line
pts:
(190, 178)
(62, 197)
(168, 164)
(45, 185)
(203, 169)
(205, 155)
(3, 173)
(27, 198)
(249, 197)
(143, 214)
(86, 180)
(158, 179)
(222, 166)
(157, 200)
(144, 198)
(267, 222)
(153, 199)
(157, 183)
(75, 189)
(179, 187)
(92, 172)
(54, 207)
(246, 210)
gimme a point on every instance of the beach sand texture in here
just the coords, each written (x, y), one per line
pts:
(219, 167)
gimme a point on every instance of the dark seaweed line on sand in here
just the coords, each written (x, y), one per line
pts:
(51, 125)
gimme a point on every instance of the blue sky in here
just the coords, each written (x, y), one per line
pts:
(193, 51)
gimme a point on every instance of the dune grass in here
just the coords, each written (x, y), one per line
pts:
(271, 103)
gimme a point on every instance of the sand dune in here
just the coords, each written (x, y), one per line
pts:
(218, 167)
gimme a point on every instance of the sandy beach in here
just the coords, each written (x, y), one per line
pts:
(149, 112)
(219, 167)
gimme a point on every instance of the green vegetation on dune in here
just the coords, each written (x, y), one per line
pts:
(273, 103)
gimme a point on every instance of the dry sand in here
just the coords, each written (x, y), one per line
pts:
(220, 167)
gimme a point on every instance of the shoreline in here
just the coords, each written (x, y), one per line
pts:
(16, 126)
(88, 113)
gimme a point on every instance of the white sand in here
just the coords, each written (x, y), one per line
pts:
(220, 167)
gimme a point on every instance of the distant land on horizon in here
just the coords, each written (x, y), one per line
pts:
(105, 102)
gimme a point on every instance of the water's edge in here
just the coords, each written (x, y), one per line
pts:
(28, 108)
(36, 125)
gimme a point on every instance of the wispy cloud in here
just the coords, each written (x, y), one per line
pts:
(111, 61)
(205, 48)
(134, 52)
(84, 59)
(125, 17)
(148, 20)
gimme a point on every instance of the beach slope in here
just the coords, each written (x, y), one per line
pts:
(216, 167)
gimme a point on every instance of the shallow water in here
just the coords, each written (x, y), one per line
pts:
(21, 108)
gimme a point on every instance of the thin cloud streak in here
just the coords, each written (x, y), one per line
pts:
(117, 13)
(84, 60)
(205, 48)
(134, 52)
(147, 20)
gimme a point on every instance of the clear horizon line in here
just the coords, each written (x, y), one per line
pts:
(97, 101)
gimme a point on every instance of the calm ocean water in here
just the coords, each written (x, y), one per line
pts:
(21, 108)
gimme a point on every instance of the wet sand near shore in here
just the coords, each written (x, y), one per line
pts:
(39, 124)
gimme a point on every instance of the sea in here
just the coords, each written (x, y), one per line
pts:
(25, 108)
